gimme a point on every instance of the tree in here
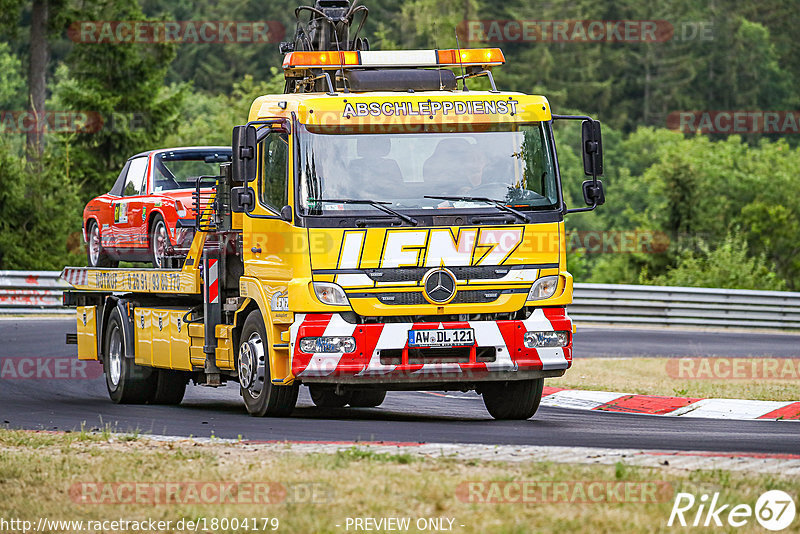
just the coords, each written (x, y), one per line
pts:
(729, 265)
(123, 83)
(12, 84)
(40, 231)
(37, 75)
(43, 13)
(772, 230)
(215, 67)
(211, 118)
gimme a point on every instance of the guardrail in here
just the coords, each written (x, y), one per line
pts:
(25, 292)
(695, 306)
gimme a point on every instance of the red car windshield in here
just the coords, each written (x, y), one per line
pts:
(180, 169)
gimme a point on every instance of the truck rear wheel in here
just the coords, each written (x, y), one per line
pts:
(516, 399)
(127, 382)
(170, 386)
(367, 398)
(326, 397)
(261, 396)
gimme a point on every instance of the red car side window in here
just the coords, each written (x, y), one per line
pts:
(134, 182)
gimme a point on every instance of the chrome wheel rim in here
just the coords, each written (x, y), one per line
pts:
(114, 356)
(94, 245)
(160, 241)
(252, 365)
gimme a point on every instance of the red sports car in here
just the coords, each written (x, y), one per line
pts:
(148, 215)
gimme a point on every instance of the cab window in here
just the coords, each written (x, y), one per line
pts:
(134, 181)
(272, 170)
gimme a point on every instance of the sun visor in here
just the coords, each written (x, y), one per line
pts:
(400, 80)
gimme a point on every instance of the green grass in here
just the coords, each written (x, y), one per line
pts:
(41, 468)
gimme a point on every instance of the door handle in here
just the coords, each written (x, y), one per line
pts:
(256, 250)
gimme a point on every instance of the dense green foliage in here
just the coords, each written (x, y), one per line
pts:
(125, 85)
(40, 214)
(701, 210)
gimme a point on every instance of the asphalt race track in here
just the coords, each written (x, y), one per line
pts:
(42, 336)
(64, 404)
(592, 341)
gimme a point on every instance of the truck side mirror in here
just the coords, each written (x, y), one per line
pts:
(243, 199)
(286, 213)
(592, 141)
(243, 163)
(593, 193)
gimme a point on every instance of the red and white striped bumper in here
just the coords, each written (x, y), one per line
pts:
(512, 360)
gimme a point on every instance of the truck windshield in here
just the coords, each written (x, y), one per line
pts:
(510, 163)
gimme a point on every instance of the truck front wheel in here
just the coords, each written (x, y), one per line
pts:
(127, 382)
(261, 396)
(367, 398)
(517, 399)
(326, 397)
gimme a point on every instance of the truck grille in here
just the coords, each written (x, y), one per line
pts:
(437, 355)
(416, 274)
(472, 296)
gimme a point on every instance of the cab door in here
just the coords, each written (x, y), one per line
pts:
(266, 235)
(275, 250)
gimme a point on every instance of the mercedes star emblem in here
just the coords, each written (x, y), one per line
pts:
(440, 286)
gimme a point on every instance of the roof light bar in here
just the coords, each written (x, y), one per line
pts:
(472, 56)
(400, 58)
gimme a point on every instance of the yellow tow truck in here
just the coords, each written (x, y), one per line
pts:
(380, 227)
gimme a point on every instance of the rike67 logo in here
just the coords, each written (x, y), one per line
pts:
(774, 510)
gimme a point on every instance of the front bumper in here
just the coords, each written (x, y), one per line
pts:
(382, 355)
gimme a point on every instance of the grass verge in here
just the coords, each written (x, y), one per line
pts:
(45, 469)
(649, 376)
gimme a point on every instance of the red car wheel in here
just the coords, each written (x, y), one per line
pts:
(96, 255)
(159, 243)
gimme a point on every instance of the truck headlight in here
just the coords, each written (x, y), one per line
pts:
(328, 344)
(543, 288)
(533, 340)
(331, 294)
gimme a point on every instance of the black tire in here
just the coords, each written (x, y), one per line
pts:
(96, 255)
(326, 397)
(159, 243)
(127, 383)
(170, 387)
(262, 397)
(367, 398)
(517, 399)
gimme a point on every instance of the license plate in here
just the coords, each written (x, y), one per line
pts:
(455, 337)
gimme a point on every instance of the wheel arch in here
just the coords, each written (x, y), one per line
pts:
(239, 317)
(90, 219)
(113, 302)
(151, 219)
(278, 362)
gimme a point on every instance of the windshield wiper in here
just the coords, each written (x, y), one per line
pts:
(497, 203)
(374, 203)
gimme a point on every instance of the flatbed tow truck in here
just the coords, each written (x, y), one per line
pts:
(379, 228)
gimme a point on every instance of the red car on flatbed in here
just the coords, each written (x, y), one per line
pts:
(148, 215)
